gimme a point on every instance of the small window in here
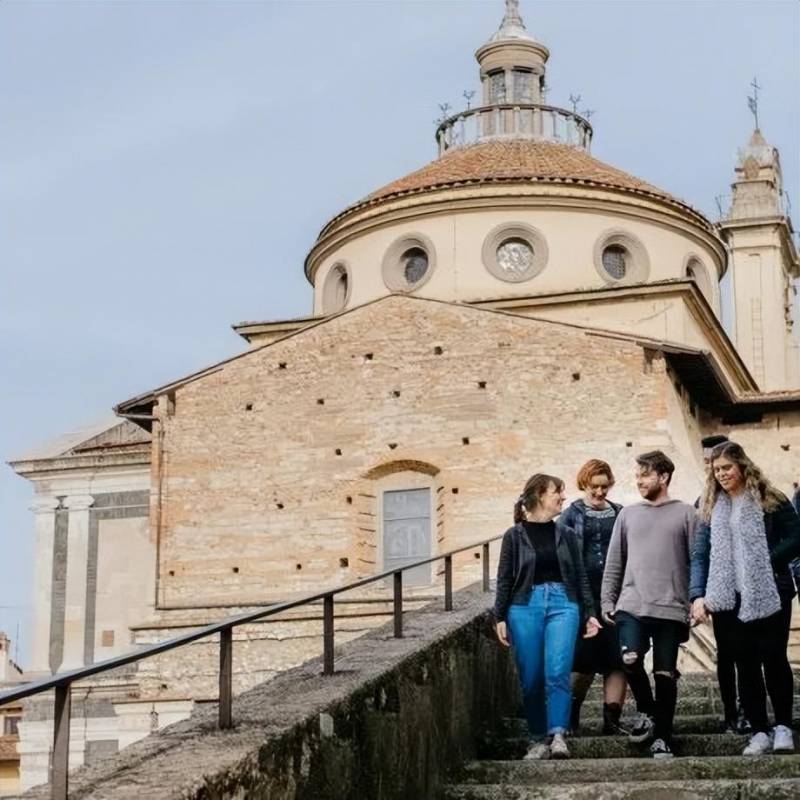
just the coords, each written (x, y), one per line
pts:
(336, 289)
(11, 726)
(415, 264)
(515, 256)
(620, 257)
(514, 252)
(615, 261)
(523, 86)
(497, 87)
(408, 263)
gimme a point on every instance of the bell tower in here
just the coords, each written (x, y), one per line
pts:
(764, 264)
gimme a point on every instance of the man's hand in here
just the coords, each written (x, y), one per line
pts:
(608, 618)
(502, 634)
(699, 610)
(592, 628)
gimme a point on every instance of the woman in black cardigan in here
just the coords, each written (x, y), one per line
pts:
(543, 599)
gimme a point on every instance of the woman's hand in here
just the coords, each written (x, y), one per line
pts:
(699, 611)
(592, 628)
(502, 634)
(608, 618)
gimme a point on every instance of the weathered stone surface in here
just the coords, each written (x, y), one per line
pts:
(769, 789)
(397, 714)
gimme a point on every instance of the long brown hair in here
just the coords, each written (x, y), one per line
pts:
(536, 486)
(754, 479)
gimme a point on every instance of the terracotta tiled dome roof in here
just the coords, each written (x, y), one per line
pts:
(514, 161)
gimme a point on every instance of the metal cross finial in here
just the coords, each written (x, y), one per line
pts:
(468, 95)
(752, 100)
(445, 109)
(587, 113)
(574, 99)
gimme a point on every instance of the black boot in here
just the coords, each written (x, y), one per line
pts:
(612, 712)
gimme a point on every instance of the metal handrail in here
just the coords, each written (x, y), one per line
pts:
(62, 683)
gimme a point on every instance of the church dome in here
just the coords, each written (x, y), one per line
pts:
(515, 205)
(514, 161)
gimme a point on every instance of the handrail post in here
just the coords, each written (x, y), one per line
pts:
(327, 634)
(398, 605)
(63, 711)
(448, 583)
(485, 565)
(226, 678)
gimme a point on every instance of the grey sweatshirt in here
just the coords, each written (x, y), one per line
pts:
(652, 578)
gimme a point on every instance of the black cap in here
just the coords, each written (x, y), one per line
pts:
(713, 441)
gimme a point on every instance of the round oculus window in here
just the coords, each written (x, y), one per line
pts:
(615, 261)
(515, 257)
(414, 262)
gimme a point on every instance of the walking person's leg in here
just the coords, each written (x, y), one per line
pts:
(726, 672)
(615, 687)
(772, 641)
(634, 642)
(751, 682)
(562, 621)
(667, 637)
(526, 625)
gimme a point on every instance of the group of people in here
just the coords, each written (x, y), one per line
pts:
(591, 589)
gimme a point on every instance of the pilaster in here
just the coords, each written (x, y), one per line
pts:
(44, 511)
(77, 564)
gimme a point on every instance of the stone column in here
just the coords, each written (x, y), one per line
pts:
(44, 509)
(77, 563)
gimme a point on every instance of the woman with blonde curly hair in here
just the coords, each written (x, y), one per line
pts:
(744, 576)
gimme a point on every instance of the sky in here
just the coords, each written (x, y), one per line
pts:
(166, 166)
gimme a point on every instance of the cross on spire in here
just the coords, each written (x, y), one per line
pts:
(752, 100)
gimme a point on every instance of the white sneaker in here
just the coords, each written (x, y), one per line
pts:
(558, 747)
(758, 745)
(782, 739)
(537, 751)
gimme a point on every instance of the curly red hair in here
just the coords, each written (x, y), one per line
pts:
(591, 469)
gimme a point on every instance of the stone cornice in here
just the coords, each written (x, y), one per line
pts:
(687, 291)
(47, 467)
(513, 195)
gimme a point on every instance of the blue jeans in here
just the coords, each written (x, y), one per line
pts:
(543, 636)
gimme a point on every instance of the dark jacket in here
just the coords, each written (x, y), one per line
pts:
(514, 584)
(593, 548)
(782, 527)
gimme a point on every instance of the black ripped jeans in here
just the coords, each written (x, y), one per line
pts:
(760, 645)
(635, 635)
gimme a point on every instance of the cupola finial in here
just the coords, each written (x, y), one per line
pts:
(512, 26)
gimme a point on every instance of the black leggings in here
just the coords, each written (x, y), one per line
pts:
(726, 668)
(761, 645)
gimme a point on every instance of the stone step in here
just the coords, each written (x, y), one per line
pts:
(593, 770)
(767, 789)
(685, 744)
(705, 688)
(684, 723)
(687, 704)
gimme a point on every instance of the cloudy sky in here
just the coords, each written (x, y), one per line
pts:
(167, 165)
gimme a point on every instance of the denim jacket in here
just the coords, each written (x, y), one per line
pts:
(782, 527)
(514, 585)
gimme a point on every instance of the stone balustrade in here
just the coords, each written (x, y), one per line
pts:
(514, 121)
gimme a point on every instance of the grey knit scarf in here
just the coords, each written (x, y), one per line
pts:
(740, 560)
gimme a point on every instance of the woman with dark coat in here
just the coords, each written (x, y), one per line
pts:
(740, 574)
(543, 599)
(592, 517)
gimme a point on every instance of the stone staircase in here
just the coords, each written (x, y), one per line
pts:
(708, 764)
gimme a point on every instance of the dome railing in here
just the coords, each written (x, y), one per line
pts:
(514, 121)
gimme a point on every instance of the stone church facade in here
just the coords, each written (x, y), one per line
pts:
(515, 305)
